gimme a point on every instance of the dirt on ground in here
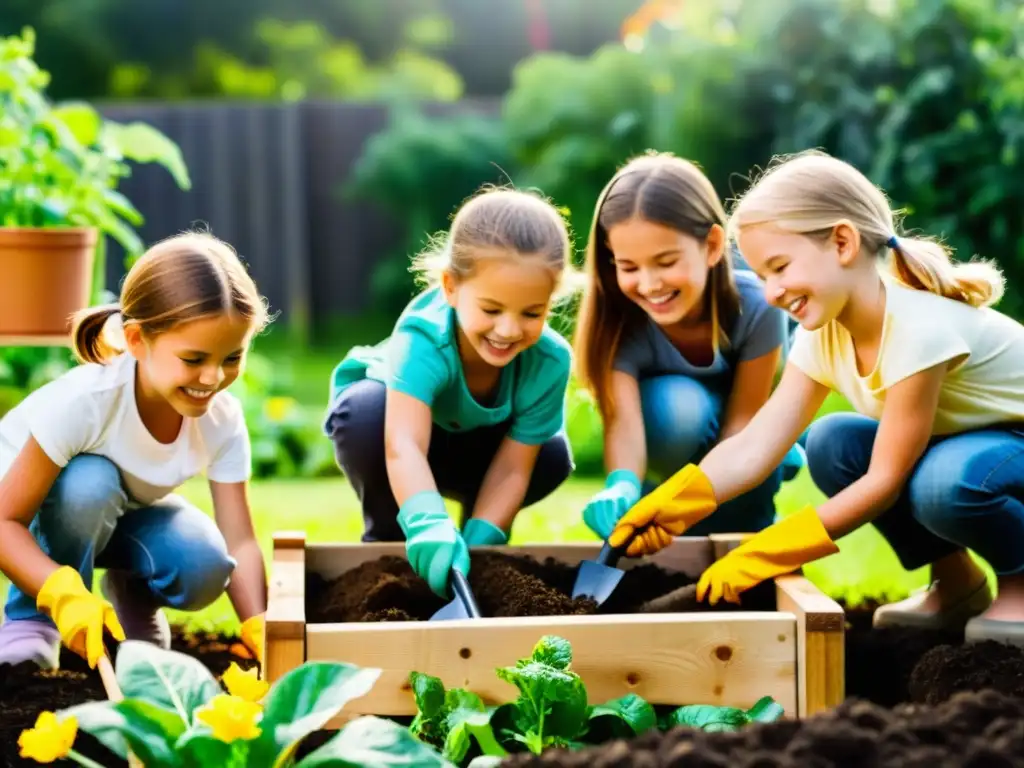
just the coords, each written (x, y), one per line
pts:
(503, 585)
(25, 691)
(975, 730)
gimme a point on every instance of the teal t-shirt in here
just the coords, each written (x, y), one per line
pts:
(421, 359)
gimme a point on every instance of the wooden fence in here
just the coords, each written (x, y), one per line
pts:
(267, 178)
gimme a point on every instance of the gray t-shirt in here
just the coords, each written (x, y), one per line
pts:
(646, 351)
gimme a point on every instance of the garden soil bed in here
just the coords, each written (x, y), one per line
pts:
(25, 691)
(504, 585)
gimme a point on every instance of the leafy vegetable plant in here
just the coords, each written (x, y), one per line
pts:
(175, 713)
(551, 710)
(61, 164)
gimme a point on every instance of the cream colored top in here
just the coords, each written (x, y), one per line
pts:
(983, 348)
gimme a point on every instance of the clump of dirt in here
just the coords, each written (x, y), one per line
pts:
(971, 729)
(25, 691)
(879, 662)
(947, 670)
(504, 585)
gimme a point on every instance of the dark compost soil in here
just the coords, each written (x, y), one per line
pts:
(504, 585)
(25, 691)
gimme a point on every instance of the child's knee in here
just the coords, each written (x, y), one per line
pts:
(355, 426)
(86, 500)
(198, 585)
(680, 420)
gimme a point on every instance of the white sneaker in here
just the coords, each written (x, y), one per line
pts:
(28, 640)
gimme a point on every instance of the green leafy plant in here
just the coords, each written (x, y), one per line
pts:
(551, 711)
(61, 164)
(175, 713)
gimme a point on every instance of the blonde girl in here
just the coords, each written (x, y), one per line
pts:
(678, 349)
(89, 463)
(465, 399)
(933, 456)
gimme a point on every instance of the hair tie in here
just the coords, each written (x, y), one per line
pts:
(893, 242)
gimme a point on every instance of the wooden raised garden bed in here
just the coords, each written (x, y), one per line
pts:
(791, 648)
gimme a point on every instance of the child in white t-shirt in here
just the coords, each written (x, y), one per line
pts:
(88, 464)
(933, 455)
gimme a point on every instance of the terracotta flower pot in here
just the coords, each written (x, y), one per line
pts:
(45, 277)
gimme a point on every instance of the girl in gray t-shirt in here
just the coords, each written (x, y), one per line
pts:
(679, 349)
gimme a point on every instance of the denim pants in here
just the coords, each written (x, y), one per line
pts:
(84, 522)
(966, 491)
(458, 460)
(681, 421)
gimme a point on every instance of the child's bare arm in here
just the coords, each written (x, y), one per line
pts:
(22, 491)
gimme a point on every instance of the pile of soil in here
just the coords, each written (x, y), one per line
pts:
(25, 691)
(504, 585)
(971, 729)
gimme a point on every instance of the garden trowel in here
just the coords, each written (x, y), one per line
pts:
(597, 579)
(464, 605)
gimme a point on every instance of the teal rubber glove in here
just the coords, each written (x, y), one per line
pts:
(621, 491)
(480, 533)
(432, 542)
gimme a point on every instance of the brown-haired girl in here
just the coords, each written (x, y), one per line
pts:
(678, 349)
(466, 398)
(89, 463)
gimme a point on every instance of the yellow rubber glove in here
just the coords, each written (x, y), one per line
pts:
(252, 634)
(778, 549)
(80, 615)
(682, 501)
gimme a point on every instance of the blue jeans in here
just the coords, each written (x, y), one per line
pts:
(84, 522)
(681, 421)
(965, 492)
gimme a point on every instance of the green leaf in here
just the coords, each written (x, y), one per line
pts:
(429, 694)
(81, 119)
(145, 144)
(708, 717)
(467, 718)
(765, 710)
(168, 679)
(303, 701)
(554, 651)
(122, 206)
(149, 730)
(620, 718)
(373, 741)
(199, 747)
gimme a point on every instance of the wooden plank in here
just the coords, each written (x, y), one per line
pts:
(724, 543)
(114, 693)
(687, 554)
(704, 658)
(821, 670)
(285, 624)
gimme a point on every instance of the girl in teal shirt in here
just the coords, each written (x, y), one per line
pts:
(466, 398)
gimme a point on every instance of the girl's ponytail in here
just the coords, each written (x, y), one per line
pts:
(926, 265)
(87, 334)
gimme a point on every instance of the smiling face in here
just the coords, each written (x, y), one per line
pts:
(803, 275)
(664, 271)
(502, 306)
(189, 364)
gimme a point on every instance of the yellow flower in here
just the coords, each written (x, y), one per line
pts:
(231, 717)
(245, 684)
(50, 739)
(277, 409)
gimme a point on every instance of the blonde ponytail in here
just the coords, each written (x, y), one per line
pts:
(926, 265)
(811, 192)
(89, 342)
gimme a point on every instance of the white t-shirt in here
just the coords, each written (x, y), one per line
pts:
(92, 409)
(982, 348)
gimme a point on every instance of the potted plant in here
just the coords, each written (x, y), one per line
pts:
(60, 165)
